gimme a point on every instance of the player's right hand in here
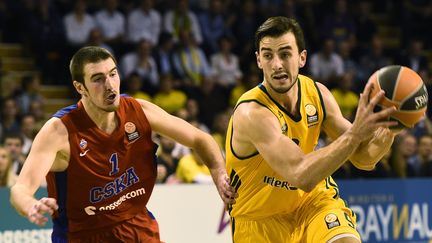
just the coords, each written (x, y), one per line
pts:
(37, 212)
(367, 121)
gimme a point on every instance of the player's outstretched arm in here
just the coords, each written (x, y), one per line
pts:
(50, 139)
(202, 143)
(371, 149)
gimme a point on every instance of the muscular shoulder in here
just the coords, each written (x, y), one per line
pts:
(149, 108)
(249, 111)
(55, 133)
(252, 116)
(144, 103)
(55, 127)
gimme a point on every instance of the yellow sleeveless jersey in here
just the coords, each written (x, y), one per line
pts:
(263, 192)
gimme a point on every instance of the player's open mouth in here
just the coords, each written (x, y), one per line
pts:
(111, 97)
(280, 76)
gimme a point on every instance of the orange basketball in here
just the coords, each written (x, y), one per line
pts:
(405, 90)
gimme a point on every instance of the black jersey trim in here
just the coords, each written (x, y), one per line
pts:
(321, 100)
(295, 117)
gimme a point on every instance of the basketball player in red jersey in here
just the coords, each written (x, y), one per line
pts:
(100, 160)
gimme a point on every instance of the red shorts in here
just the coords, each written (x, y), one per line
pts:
(141, 228)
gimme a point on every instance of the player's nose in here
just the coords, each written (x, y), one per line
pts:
(277, 63)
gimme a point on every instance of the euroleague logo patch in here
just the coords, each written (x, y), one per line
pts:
(131, 131)
(311, 113)
(331, 220)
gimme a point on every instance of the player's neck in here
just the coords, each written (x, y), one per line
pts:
(288, 100)
(105, 120)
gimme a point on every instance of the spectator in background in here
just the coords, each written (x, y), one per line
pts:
(13, 143)
(339, 25)
(212, 99)
(423, 127)
(416, 18)
(345, 52)
(365, 26)
(190, 61)
(425, 153)
(162, 54)
(168, 98)
(111, 23)
(420, 163)
(179, 149)
(225, 64)
(326, 66)
(38, 112)
(30, 91)
(191, 169)
(219, 128)
(373, 60)
(243, 22)
(96, 39)
(134, 87)
(144, 22)
(28, 132)
(190, 113)
(7, 175)
(213, 26)
(46, 35)
(350, 65)
(405, 147)
(250, 80)
(345, 97)
(142, 62)
(193, 110)
(10, 116)
(182, 19)
(414, 57)
(166, 163)
(78, 25)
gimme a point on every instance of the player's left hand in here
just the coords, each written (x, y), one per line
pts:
(378, 145)
(37, 212)
(226, 191)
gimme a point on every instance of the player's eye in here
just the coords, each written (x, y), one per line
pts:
(285, 55)
(98, 79)
(267, 55)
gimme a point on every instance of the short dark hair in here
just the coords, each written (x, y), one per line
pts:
(88, 54)
(13, 135)
(277, 26)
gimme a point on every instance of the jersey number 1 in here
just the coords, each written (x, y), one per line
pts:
(114, 164)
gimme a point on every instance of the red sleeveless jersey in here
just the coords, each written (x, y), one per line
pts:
(110, 177)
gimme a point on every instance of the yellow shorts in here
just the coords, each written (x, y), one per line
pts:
(309, 225)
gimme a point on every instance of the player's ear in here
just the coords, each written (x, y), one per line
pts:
(258, 59)
(302, 59)
(80, 88)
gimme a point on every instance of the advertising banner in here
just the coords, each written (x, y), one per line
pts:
(391, 210)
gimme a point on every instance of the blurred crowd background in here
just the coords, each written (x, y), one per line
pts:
(195, 58)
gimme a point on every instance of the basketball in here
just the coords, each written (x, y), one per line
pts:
(405, 90)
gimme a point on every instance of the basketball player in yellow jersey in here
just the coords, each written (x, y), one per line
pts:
(285, 192)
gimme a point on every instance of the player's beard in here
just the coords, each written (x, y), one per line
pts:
(111, 104)
(282, 89)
